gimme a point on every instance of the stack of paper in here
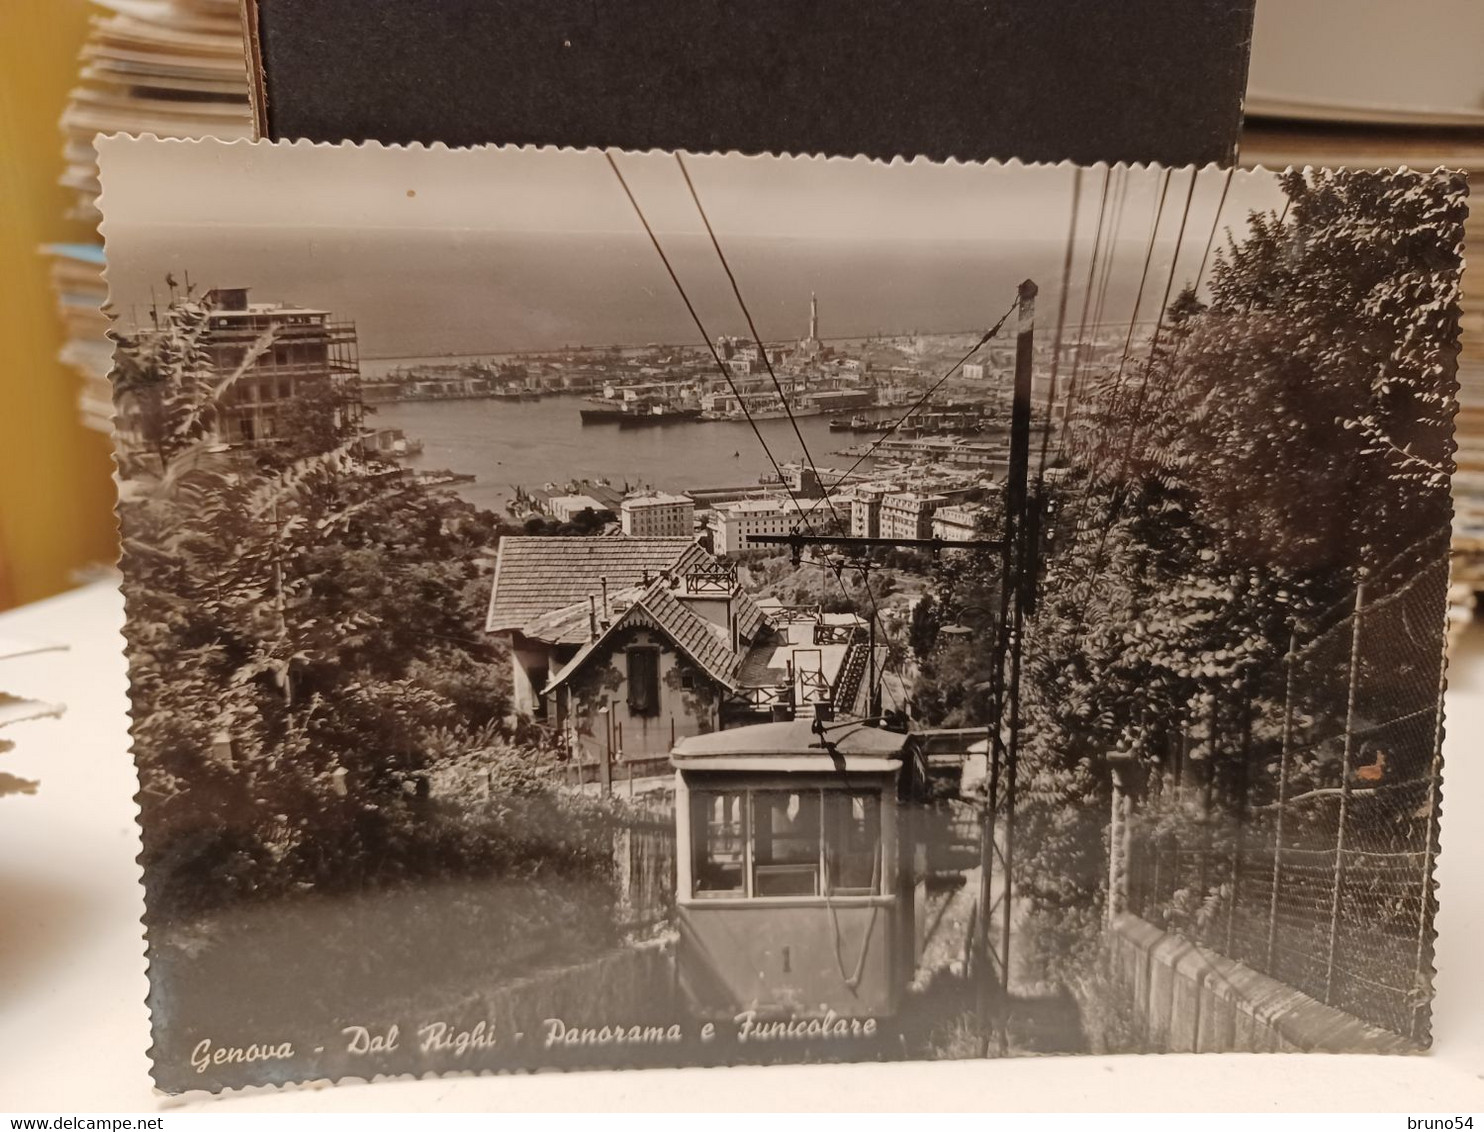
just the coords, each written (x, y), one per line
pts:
(1373, 65)
(176, 68)
(77, 279)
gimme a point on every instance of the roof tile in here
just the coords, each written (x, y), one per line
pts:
(537, 576)
(693, 633)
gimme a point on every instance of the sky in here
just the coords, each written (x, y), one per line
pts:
(494, 249)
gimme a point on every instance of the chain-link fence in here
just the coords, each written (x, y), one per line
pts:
(1291, 823)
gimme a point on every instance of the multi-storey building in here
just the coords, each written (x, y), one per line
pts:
(734, 524)
(272, 371)
(957, 523)
(909, 514)
(865, 509)
(289, 352)
(565, 508)
(658, 515)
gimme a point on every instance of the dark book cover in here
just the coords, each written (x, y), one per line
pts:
(1079, 80)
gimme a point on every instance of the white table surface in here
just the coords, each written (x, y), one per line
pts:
(73, 1028)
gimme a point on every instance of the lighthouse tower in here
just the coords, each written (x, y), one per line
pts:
(810, 347)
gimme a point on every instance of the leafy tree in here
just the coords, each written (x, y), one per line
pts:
(1220, 489)
(922, 630)
(584, 523)
(304, 640)
(1333, 448)
(168, 386)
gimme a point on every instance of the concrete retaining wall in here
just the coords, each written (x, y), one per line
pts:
(1189, 1000)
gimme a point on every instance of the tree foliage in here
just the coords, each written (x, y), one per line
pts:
(305, 644)
(1288, 430)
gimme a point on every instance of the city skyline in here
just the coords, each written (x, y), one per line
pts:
(514, 250)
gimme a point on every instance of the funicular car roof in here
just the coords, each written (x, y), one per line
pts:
(794, 745)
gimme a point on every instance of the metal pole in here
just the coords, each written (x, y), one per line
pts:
(1017, 583)
(605, 772)
(1290, 662)
(1018, 474)
(1244, 790)
(1208, 787)
(1012, 758)
(1345, 773)
(1120, 849)
(986, 873)
(1424, 907)
(971, 969)
(1153, 891)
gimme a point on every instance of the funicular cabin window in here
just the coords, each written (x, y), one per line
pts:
(852, 844)
(719, 824)
(644, 680)
(785, 843)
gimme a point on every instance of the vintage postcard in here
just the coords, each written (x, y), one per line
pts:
(613, 610)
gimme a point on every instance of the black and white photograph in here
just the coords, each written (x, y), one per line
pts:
(595, 609)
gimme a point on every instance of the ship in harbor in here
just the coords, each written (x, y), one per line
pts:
(635, 414)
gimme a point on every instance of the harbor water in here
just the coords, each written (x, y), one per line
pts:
(532, 443)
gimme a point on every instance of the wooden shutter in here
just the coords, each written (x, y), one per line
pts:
(644, 680)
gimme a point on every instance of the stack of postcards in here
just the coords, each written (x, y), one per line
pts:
(176, 68)
(77, 279)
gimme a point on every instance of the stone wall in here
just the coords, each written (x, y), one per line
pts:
(1190, 1000)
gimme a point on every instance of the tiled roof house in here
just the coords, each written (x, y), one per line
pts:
(627, 644)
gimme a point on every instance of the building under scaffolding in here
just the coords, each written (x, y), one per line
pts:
(291, 353)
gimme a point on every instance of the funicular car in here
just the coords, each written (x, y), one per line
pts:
(800, 866)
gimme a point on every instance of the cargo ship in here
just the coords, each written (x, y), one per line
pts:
(635, 414)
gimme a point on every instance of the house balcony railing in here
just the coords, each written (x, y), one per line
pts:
(790, 614)
(834, 634)
(814, 688)
(763, 698)
(720, 580)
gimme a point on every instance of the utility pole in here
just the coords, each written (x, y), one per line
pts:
(1019, 550)
(986, 1005)
(605, 772)
(1017, 579)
